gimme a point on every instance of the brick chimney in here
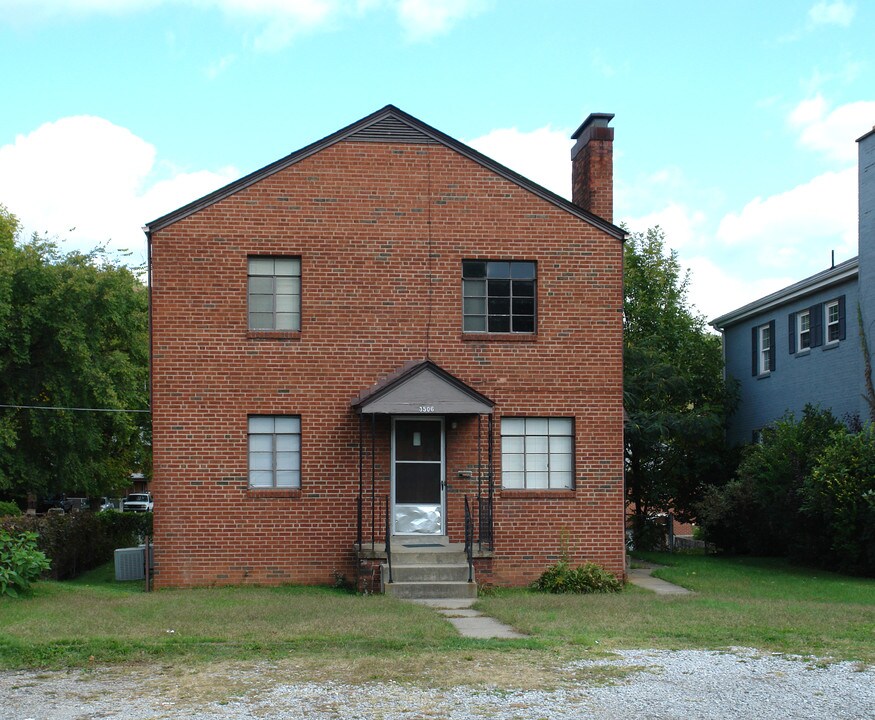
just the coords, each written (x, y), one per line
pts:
(592, 166)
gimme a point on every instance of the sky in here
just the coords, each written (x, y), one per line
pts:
(735, 122)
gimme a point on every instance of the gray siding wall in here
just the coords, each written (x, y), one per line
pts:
(830, 376)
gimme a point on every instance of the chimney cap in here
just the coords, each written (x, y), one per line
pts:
(594, 120)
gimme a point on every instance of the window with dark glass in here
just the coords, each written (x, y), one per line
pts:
(274, 293)
(498, 296)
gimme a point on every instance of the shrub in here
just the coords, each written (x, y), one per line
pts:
(77, 542)
(759, 511)
(9, 509)
(587, 578)
(839, 495)
(20, 562)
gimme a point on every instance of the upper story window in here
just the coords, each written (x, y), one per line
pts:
(763, 349)
(275, 451)
(803, 330)
(274, 293)
(833, 321)
(498, 296)
(537, 453)
(820, 324)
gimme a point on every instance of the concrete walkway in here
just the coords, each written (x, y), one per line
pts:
(641, 577)
(470, 623)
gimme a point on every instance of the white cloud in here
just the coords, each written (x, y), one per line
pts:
(542, 155)
(422, 19)
(273, 24)
(682, 225)
(86, 173)
(832, 13)
(716, 290)
(785, 227)
(219, 66)
(832, 132)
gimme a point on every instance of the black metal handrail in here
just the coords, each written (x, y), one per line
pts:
(469, 540)
(388, 541)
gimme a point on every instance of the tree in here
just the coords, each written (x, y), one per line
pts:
(676, 399)
(73, 334)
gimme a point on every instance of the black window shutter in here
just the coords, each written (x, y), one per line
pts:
(815, 317)
(841, 300)
(753, 350)
(772, 352)
(791, 331)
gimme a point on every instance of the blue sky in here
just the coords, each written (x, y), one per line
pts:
(735, 122)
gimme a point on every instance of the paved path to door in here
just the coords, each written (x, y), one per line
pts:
(641, 577)
(470, 623)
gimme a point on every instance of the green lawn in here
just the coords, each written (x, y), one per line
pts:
(329, 633)
(760, 603)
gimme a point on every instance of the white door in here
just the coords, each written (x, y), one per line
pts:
(418, 487)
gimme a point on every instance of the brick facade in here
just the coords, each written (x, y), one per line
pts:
(381, 228)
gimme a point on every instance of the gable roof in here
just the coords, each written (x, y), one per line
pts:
(388, 124)
(419, 384)
(822, 280)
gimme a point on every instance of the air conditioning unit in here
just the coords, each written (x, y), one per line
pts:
(129, 563)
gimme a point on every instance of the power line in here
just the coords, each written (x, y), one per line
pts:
(73, 409)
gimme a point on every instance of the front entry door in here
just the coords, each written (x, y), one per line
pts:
(418, 476)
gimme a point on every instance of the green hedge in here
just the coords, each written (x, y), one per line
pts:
(77, 542)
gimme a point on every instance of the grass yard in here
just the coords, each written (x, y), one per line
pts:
(328, 634)
(752, 602)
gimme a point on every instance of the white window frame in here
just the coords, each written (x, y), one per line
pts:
(829, 325)
(537, 453)
(274, 451)
(764, 344)
(273, 291)
(803, 331)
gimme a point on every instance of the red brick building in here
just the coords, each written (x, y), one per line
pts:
(367, 332)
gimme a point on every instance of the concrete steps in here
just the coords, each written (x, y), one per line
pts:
(437, 569)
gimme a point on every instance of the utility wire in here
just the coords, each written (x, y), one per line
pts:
(74, 409)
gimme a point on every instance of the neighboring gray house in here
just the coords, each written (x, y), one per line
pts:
(802, 344)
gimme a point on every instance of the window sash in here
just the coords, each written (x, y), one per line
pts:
(537, 453)
(274, 451)
(499, 296)
(765, 338)
(803, 324)
(832, 321)
(274, 293)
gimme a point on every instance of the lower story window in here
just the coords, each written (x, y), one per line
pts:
(275, 451)
(537, 453)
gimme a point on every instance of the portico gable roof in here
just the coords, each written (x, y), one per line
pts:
(420, 388)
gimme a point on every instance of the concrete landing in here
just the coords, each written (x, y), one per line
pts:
(470, 623)
(642, 578)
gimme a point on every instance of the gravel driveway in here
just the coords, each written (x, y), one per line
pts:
(687, 685)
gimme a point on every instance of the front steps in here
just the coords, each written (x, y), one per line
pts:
(428, 568)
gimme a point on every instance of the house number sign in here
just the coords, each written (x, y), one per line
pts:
(426, 408)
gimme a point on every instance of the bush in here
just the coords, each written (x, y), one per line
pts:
(20, 562)
(9, 509)
(839, 495)
(77, 542)
(587, 578)
(759, 511)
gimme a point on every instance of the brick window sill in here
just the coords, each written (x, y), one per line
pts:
(274, 335)
(273, 493)
(499, 337)
(510, 494)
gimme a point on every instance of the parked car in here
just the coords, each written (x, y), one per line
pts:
(138, 502)
(57, 503)
(108, 503)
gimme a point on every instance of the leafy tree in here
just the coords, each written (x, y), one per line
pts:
(676, 399)
(73, 334)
